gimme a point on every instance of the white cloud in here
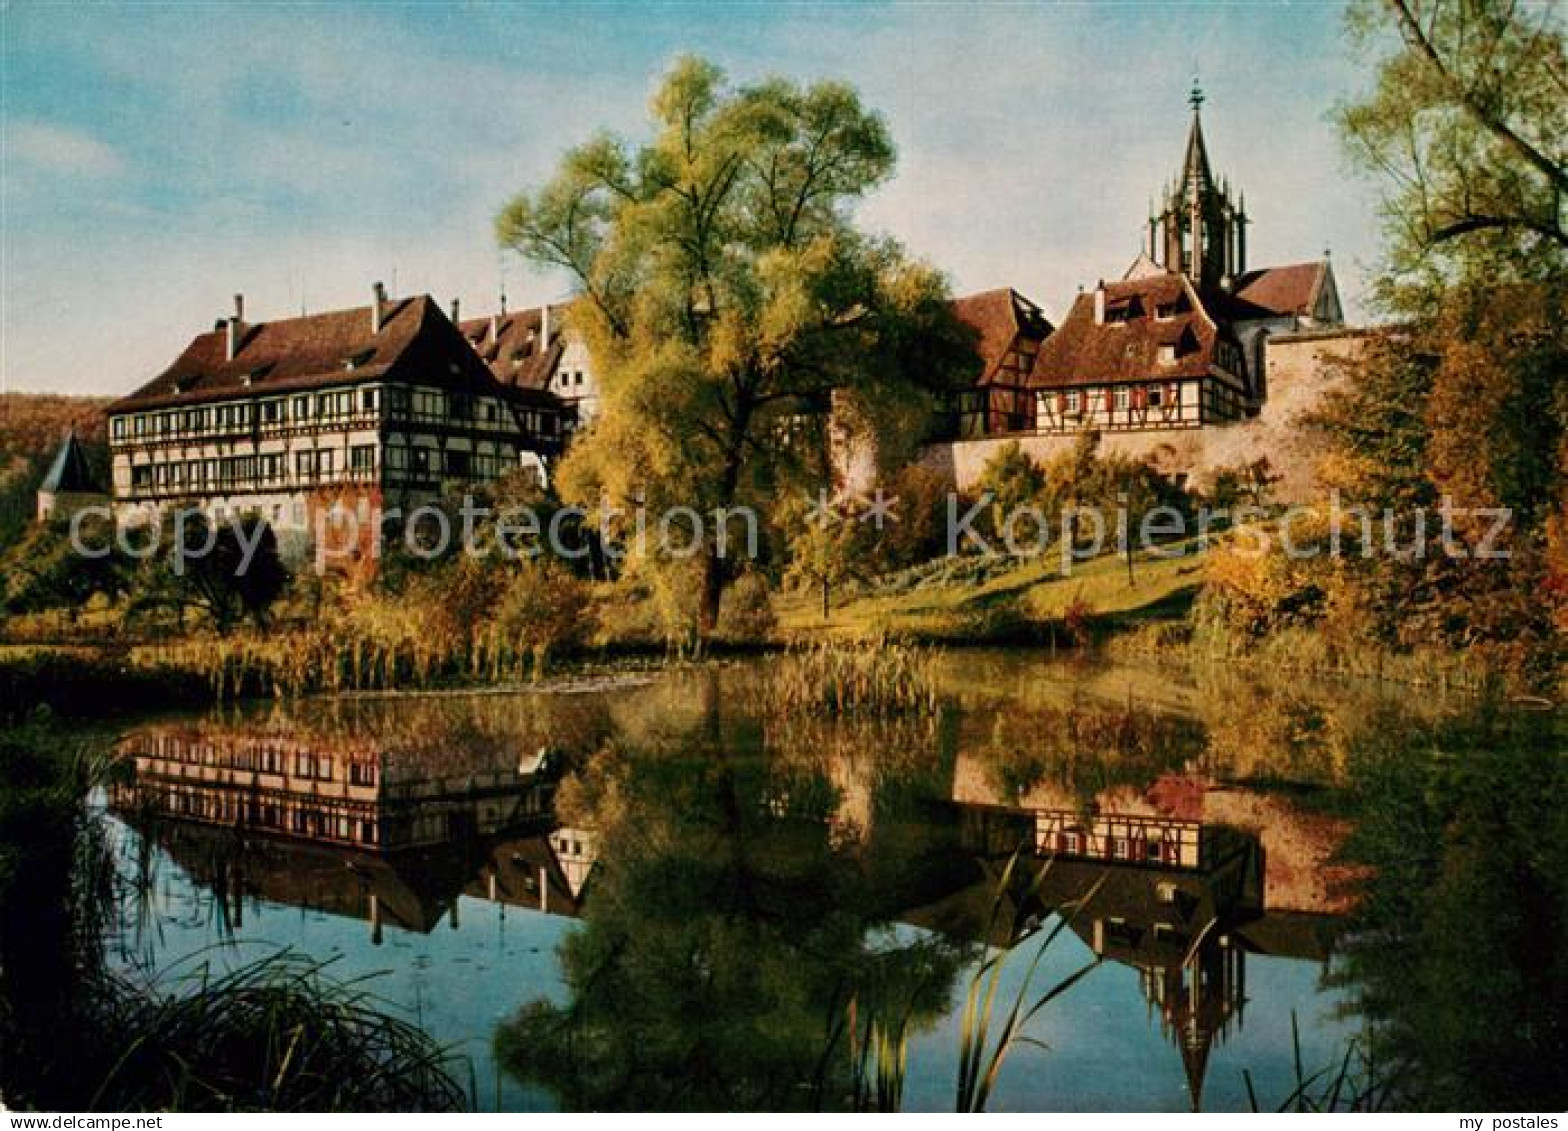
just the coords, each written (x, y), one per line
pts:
(54, 148)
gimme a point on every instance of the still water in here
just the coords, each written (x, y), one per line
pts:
(650, 892)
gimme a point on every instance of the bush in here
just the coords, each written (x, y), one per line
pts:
(747, 614)
(79, 685)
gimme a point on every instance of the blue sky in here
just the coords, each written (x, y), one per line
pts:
(157, 158)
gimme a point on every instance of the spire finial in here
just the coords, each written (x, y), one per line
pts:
(1195, 97)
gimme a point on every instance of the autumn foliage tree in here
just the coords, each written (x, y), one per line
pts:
(1465, 129)
(729, 299)
(1460, 406)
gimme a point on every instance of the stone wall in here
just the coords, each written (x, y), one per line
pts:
(1300, 368)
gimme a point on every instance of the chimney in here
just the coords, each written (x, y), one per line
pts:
(1099, 303)
(234, 329)
(378, 298)
(544, 327)
(454, 312)
(495, 328)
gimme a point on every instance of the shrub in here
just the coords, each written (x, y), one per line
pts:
(747, 614)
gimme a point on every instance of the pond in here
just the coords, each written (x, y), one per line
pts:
(652, 892)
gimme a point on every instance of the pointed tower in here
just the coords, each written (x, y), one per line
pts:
(1200, 232)
(69, 482)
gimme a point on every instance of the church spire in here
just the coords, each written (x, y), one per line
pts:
(1200, 232)
(1195, 165)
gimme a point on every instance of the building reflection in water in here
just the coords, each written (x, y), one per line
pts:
(1179, 901)
(342, 826)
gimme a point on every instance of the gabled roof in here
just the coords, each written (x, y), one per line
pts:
(999, 317)
(1291, 289)
(416, 343)
(1083, 352)
(513, 353)
(70, 473)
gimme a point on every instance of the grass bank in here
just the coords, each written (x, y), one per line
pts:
(1010, 601)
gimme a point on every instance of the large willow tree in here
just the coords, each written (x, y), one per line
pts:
(728, 299)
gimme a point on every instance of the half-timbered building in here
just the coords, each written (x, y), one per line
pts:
(1179, 342)
(537, 348)
(377, 406)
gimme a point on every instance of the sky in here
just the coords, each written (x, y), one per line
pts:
(157, 158)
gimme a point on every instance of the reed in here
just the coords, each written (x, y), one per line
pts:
(866, 679)
(1357, 1082)
(982, 1054)
(276, 1034)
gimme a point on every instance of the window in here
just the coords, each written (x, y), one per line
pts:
(301, 411)
(369, 400)
(118, 428)
(1156, 396)
(421, 462)
(362, 457)
(1121, 398)
(325, 460)
(272, 412)
(1074, 402)
(304, 465)
(457, 464)
(429, 404)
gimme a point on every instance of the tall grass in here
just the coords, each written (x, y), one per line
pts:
(276, 1034)
(984, 1046)
(879, 1061)
(870, 679)
(1356, 1083)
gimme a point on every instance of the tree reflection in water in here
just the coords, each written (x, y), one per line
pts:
(731, 944)
(1459, 949)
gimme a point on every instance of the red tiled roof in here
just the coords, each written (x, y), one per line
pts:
(513, 355)
(1292, 289)
(1083, 352)
(416, 343)
(999, 316)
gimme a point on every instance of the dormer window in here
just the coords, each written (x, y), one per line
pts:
(1125, 311)
(358, 360)
(1167, 353)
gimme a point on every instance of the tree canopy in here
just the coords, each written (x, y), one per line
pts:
(729, 300)
(1466, 128)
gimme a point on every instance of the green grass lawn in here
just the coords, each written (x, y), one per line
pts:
(969, 600)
